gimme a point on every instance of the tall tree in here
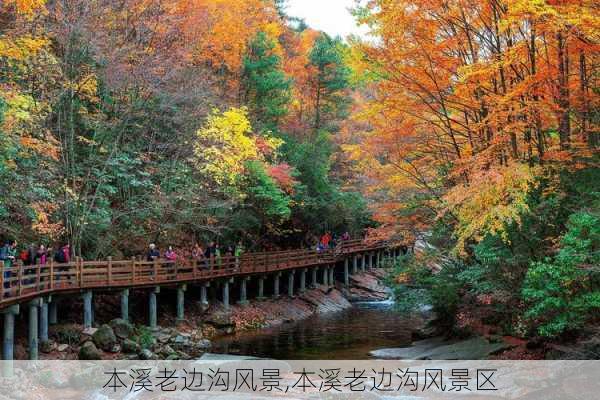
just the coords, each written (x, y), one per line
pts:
(330, 81)
(266, 88)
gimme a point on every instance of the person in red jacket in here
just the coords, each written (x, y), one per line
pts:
(326, 239)
(66, 250)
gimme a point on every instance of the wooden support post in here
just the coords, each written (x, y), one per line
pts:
(52, 278)
(133, 270)
(79, 279)
(19, 281)
(88, 318)
(346, 272)
(226, 294)
(109, 270)
(33, 329)
(53, 312)
(291, 283)
(181, 302)
(152, 308)
(243, 291)
(261, 287)
(276, 284)
(9, 331)
(204, 294)
(125, 304)
(303, 280)
(332, 275)
(43, 320)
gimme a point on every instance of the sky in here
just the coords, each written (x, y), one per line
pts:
(330, 16)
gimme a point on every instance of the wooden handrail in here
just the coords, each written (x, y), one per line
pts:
(20, 282)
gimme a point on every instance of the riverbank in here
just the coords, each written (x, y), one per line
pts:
(192, 337)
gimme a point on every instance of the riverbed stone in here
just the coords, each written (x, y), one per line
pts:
(104, 337)
(62, 347)
(129, 346)
(89, 351)
(203, 344)
(166, 350)
(164, 335)
(122, 329)
(116, 348)
(89, 331)
(476, 348)
(146, 354)
(48, 346)
(181, 340)
(220, 319)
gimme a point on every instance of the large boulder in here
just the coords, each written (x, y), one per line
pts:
(220, 319)
(104, 338)
(89, 351)
(476, 348)
(129, 346)
(122, 328)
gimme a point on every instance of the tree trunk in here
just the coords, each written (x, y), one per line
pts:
(564, 126)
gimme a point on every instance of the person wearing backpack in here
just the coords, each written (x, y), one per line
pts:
(8, 255)
(59, 256)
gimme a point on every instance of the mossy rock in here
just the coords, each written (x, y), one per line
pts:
(122, 328)
(130, 346)
(104, 338)
(89, 351)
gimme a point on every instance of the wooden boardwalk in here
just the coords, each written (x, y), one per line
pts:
(35, 288)
(21, 283)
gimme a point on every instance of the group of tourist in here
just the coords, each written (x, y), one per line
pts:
(329, 241)
(29, 257)
(208, 255)
(33, 255)
(212, 254)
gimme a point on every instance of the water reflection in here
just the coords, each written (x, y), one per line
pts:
(349, 334)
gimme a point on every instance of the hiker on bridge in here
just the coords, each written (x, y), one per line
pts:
(198, 253)
(326, 239)
(41, 255)
(8, 254)
(170, 254)
(210, 254)
(239, 249)
(153, 253)
(63, 254)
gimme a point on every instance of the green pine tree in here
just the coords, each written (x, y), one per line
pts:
(330, 83)
(266, 88)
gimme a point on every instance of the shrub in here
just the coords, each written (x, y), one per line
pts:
(564, 292)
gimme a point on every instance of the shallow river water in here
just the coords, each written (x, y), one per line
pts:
(345, 335)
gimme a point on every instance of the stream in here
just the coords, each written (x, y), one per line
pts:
(348, 334)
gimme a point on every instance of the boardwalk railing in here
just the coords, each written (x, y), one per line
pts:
(19, 282)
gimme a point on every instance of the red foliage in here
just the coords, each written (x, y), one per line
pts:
(283, 175)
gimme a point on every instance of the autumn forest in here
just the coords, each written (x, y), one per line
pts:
(466, 130)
